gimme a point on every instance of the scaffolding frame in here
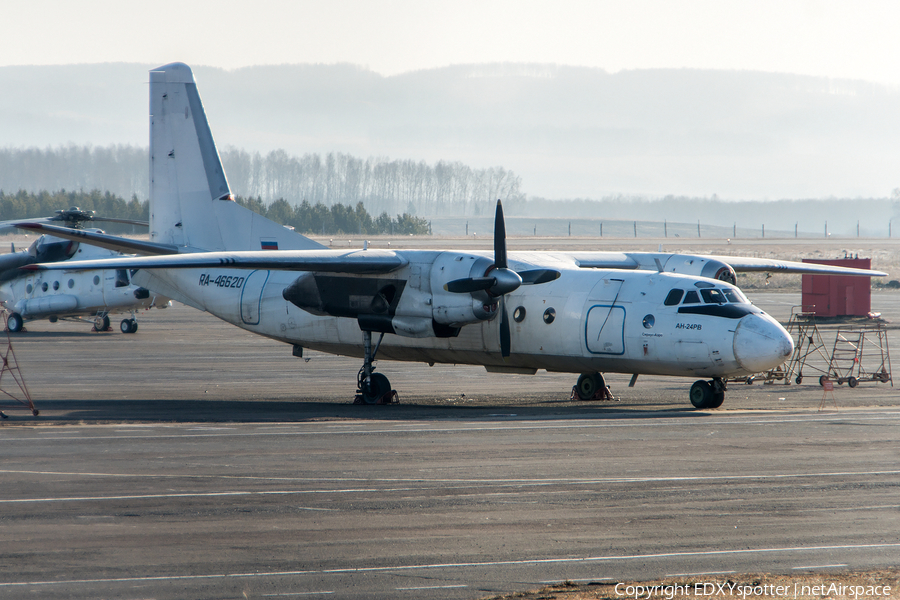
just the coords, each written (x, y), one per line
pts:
(860, 352)
(803, 326)
(853, 345)
(11, 371)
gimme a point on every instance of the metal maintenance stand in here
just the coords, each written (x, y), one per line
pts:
(10, 373)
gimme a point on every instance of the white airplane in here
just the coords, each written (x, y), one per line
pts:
(75, 295)
(518, 312)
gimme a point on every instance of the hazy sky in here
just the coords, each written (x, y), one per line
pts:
(857, 40)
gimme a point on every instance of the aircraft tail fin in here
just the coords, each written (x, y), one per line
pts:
(191, 204)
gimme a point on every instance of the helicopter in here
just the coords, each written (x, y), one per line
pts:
(88, 296)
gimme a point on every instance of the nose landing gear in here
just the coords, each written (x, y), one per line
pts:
(373, 388)
(708, 394)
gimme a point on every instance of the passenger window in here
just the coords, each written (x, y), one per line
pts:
(691, 298)
(674, 297)
(712, 296)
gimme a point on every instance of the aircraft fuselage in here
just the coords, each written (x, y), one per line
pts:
(587, 320)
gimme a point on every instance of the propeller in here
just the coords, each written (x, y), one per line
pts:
(73, 217)
(500, 280)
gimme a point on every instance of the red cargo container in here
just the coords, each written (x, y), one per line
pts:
(838, 295)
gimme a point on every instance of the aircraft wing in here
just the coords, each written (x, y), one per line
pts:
(332, 261)
(702, 264)
(743, 264)
(110, 242)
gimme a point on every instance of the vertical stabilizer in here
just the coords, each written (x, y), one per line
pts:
(190, 202)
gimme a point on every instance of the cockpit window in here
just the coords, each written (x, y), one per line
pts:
(691, 298)
(713, 296)
(674, 297)
(735, 296)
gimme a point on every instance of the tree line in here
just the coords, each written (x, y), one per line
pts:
(392, 186)
(28, 205)
(304, 218)
(338, 218)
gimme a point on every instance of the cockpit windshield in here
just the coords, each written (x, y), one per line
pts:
(710, 295)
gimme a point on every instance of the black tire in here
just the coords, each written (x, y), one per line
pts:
(101, 323)
(799, 379)
(15, 323)
(376, 389)
(133, 326)
(822, 379)
(853, 382)
(702, 394)
(588, 385)
(125, 326)
(717, 399)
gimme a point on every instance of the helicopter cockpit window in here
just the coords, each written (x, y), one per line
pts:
(674, 297)
(691, 298)
(713, 296)
(121, 278)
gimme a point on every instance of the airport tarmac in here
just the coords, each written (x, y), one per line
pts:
(194, 460)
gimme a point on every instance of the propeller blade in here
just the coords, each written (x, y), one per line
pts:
(125, 221)
(536, 276)
(499, 238)
(504, 330)
(469, 285)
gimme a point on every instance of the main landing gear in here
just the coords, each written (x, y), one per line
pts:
(591, 386)
(708, 394)
(373, 388)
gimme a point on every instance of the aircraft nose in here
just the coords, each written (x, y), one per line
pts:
(761, 343)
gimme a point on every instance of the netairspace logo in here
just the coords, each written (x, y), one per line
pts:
(737, 590)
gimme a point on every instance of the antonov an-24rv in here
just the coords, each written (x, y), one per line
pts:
(581, 312)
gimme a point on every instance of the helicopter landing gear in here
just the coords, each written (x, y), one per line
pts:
(708, 394)
(373, 388)
(15, 323)
(129, 326)
(101, 323)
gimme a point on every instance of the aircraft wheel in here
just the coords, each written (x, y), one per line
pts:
(128, 326)
(717, 399)
(134, 326)
(377, 387)
(702, 394)
(588, 385)
(101, 323)
(15, 323)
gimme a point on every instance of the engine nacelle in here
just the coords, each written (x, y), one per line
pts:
(687, 264)
(455, 309)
